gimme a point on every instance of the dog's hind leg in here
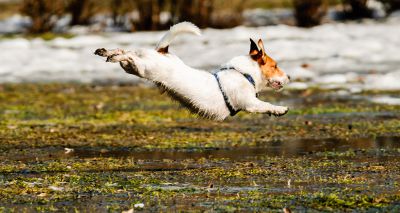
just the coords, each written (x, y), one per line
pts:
(125, 59)
(116, 55)
(127, 63)
(107, 53)
(118, 58)
(129, 67)
(257, 106)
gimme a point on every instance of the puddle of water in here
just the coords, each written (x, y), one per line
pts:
(277, 148)
(354, 115)
(288, 148)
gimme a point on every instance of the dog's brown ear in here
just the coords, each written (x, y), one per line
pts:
(255, 53)
(261, 45)
(263, 54)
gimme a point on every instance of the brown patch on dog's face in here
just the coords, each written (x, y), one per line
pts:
(270, 69)
(268, 66)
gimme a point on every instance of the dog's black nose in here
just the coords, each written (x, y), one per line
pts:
(288, 77)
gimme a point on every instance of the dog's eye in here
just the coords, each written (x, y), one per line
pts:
(276, 66)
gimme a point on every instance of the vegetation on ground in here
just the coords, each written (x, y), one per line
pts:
(67, 147)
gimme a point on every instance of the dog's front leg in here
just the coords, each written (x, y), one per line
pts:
(257, 106)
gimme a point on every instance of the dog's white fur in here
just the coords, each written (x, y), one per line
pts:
(184, 27)
(196, 89)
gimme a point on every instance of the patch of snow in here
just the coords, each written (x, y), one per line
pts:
(56, 188)
(300, 73)
(15, 44)
(363, 55)
(262, 17)
(355, 89)
(332, 79)
(78, 42)
(32, 184)
(68, 150)
(14, 24)
(62, 24)
(139, 205)
(388, 81)
(386, 100)
(297, 85)
(377, 7)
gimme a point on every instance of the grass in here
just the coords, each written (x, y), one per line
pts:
(132, 145)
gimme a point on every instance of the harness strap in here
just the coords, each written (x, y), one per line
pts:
(227, 103)
(250, 79)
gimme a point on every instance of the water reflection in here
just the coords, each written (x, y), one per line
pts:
(276, 148)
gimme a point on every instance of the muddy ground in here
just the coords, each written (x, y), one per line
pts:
(71, 147)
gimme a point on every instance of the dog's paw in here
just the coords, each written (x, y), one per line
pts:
(113, 58)
(101, 52)
(279, 110)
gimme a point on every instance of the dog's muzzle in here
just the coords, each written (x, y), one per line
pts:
(278, 83)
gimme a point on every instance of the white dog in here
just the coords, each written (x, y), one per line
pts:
(216, 95)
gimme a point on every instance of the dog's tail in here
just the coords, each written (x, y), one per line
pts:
(183, 27)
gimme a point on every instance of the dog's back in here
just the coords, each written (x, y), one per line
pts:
(216, 95)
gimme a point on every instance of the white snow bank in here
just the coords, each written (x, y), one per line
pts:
(389, 81)
(339, 54)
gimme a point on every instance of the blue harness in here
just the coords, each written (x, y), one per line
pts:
(227, 103)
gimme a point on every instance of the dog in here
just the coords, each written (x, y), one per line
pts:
(215, 95)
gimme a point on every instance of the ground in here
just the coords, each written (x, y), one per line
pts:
(109, 147)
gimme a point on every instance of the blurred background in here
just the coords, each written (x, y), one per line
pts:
(79, 134)
(350, 44)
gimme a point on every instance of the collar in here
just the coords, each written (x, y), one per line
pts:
(232, 110)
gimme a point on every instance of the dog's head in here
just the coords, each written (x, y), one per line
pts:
(270, 72)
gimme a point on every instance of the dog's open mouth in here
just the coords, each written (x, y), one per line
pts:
(276, 85)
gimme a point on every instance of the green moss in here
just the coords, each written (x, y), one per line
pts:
(112, 128)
